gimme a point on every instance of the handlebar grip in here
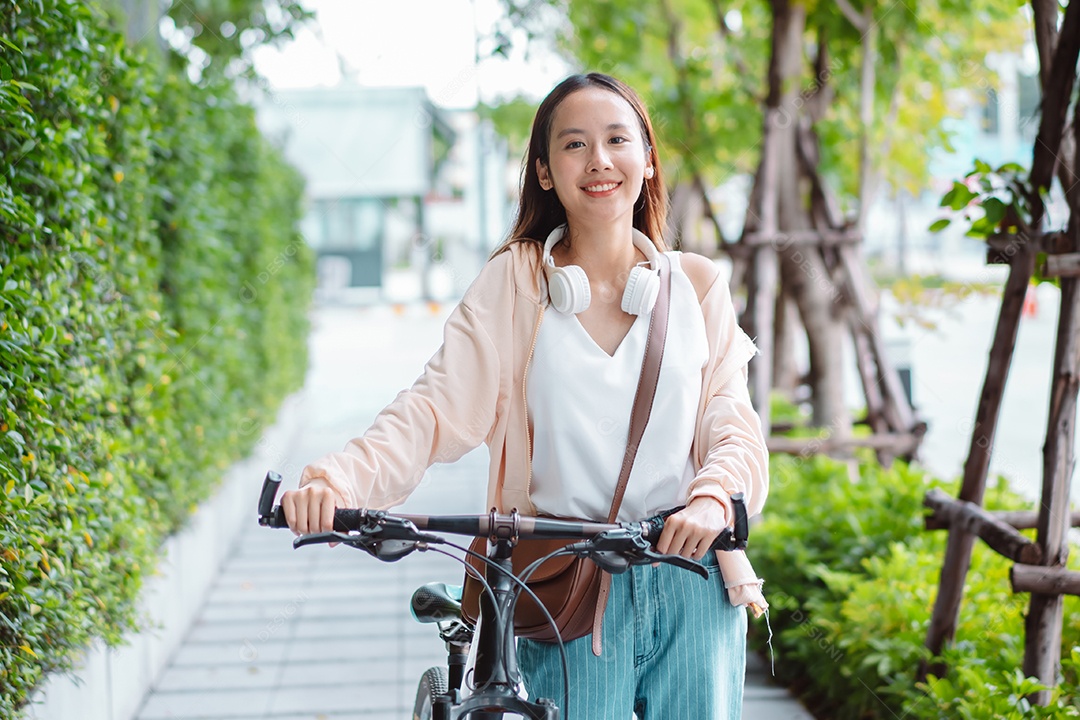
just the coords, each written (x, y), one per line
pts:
(742, 521)
(345, 519)
(271, 483)
(271, 515)
(730, 538)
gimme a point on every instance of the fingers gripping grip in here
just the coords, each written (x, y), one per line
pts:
(271, 515)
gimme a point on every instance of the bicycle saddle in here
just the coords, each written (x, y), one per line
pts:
(436, 602)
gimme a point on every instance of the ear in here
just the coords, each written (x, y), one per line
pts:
(649, 172)
(543, 175)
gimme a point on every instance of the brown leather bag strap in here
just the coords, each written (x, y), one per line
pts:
(646, 389)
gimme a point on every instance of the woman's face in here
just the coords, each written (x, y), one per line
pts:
(597, 157)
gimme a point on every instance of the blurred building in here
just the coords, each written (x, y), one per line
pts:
(406, 199)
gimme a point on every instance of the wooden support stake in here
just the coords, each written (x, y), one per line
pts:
(1027, 519)
(897, 410)
(1044, 580)
(1062, 265)
(1043, 625)
(817, 238)
(954, 570)
(971, 518)
(895, 444)
(766, 269)
(1042, 641)
(864, 361)
(1019, 519)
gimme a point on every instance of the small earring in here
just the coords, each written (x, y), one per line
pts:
(649, 172)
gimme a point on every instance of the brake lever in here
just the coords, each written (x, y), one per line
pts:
(322, 537)
(386, 538)
(649, 556)
(616, 550)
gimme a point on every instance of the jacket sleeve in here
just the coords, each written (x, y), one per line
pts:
(449, 410)
(730, 447)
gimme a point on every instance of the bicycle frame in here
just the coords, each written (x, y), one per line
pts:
(496, 658)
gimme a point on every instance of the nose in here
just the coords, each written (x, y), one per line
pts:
(599, 159)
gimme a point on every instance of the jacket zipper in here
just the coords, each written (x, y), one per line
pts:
(525, 404)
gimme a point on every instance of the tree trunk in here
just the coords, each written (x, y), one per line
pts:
(680, 219)
(805, 276)
(785, 377)
(803, 270)
(867, 81)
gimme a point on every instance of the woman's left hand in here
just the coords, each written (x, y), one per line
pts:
(691, 531)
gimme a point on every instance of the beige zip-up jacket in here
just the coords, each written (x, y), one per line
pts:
(472, 391)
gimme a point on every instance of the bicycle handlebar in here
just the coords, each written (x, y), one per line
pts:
(493, 525)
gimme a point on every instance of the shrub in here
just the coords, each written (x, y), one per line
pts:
(134, 364)
(853, 578)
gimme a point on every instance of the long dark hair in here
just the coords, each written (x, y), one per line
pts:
(540, 212)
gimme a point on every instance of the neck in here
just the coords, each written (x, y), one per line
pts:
(604, 251)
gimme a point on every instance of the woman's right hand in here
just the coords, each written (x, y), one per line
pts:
(311, 508)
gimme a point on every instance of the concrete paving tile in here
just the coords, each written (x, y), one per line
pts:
(258, 632)
(352, 715)
(332, 699)
(233, 611)
(784, 708)
(225, 654)
(318, 716)
(249, 676)
(207, 704)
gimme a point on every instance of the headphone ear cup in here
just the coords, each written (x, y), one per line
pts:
(642, 288)
(568, 288)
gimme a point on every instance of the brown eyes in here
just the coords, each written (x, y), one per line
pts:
(617, 140)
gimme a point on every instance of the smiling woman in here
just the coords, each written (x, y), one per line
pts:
(544, 360)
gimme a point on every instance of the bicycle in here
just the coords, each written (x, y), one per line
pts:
(388, 537)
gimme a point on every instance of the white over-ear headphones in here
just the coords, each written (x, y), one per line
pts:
(568, 287)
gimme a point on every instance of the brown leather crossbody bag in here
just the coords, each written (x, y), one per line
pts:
(574, 590)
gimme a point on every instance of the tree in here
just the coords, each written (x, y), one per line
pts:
(217, 34)
(733, 94)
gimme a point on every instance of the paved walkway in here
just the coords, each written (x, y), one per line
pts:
(320, 634)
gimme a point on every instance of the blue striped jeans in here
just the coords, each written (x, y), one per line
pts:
(674, 647)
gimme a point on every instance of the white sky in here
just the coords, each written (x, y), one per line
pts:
(430, 43)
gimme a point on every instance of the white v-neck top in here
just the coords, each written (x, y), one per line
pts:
(579, 403)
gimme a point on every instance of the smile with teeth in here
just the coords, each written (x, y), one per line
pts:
(601, 188)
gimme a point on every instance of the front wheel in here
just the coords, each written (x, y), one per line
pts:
(432, 684)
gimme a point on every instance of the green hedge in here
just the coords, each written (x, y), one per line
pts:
(852, 575)
(153, 310)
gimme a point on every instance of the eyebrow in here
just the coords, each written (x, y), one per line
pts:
(573, 131)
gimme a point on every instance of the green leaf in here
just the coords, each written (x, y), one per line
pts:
(957, 198)
(5, 72)
(995, 210)
(939, 225)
